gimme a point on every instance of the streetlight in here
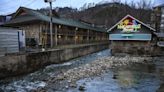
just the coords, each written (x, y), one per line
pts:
(51, 34)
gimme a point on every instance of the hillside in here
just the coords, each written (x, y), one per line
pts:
(105, 14)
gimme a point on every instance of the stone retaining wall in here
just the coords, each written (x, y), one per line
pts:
(135, 48)
(13, 65)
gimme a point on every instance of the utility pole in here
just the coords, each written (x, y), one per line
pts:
(51, 33)
(56, 35)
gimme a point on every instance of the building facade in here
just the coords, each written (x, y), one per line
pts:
(157, 21)
(67, 31)
(131, 36)
(157, 18)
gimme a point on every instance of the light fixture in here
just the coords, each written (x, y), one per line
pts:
(59, 26)
(76, 28)
(76, 37)
(59, 36)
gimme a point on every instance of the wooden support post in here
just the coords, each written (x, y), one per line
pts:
(46, 35)
(40, 35)
(66, 39)
(88, 36)
(56, 35)
(75, 35)
(96, 37)
(51, 33)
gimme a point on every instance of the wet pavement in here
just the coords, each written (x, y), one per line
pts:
(145, 77)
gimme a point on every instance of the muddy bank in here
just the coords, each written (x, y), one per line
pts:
(68, 79)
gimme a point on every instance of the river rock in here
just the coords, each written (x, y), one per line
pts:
(94, 68)
(66, 87)
(73, 85)
(161, 89)
(1, 90)
(81, 88)
(115, 76)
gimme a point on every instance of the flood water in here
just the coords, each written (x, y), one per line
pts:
(133, 78)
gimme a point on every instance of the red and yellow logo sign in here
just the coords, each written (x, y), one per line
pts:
(129, 25)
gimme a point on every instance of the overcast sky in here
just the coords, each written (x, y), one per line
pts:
(10, 6)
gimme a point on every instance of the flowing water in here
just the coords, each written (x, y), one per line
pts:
(35, 80)
(134, 78)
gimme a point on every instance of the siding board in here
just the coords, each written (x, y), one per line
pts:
(8, 40)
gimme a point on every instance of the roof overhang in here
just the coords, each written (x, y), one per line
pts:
(35, 15)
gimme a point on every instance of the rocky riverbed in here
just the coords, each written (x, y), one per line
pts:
(68, 79)
(97, 72)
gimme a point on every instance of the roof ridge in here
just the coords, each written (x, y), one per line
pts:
(62, 21)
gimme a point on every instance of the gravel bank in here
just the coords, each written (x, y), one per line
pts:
(68, 79)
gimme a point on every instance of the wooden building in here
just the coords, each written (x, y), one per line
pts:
(130, 35)
(157, 18)
(157, 21)
(68, 31)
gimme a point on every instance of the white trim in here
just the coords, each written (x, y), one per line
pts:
(133, 18)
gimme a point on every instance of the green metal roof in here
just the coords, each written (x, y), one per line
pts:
(21, 19)
(35, 15)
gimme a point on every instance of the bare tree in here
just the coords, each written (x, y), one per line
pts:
(145, 4)
(84, 7)
(116, 1)
(133, 5)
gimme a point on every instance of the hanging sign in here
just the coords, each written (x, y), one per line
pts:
(129, 25)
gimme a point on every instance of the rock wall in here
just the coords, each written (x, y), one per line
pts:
(13, 65)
